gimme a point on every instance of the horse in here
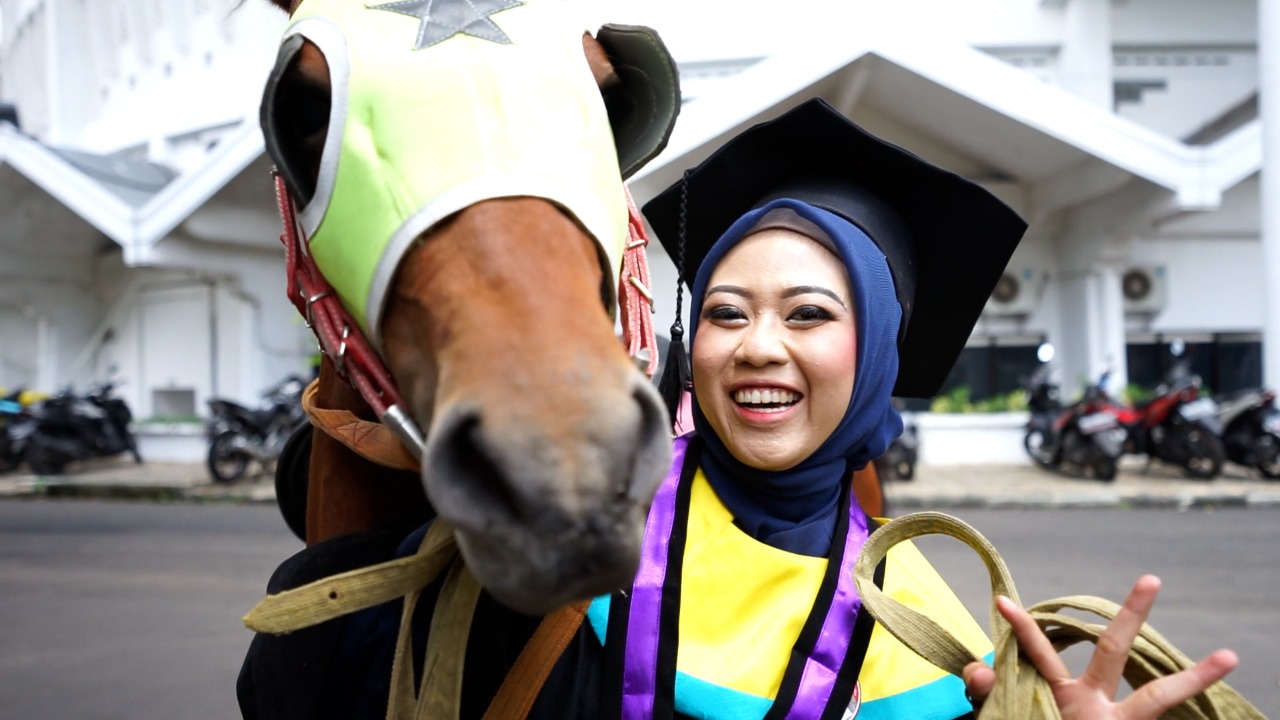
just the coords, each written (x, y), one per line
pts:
(542, 442)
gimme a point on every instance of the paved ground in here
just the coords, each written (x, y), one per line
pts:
(995, 486)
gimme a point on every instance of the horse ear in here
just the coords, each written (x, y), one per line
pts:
(644, 100)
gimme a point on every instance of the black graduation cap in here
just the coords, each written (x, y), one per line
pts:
(946, 239)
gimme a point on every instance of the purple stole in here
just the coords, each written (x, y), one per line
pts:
(822, 660)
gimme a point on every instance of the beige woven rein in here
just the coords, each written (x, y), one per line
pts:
(440, 694)
(1021, 693)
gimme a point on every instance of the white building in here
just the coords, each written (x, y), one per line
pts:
(138, 228)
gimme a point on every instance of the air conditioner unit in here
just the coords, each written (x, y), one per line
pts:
(1145, 289)
(1017, 292)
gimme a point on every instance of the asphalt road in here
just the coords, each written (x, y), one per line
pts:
(114, 610)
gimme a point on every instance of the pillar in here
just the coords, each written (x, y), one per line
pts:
(1269, 100)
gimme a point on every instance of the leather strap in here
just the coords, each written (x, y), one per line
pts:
(355, 590)
(1021, 693)
(525, 680)
(373, 441)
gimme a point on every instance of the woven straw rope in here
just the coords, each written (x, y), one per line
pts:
(1021, 693)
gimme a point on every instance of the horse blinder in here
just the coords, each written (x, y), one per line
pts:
(292, 115)
(642, 107)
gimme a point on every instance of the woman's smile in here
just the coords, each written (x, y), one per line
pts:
(766, 401)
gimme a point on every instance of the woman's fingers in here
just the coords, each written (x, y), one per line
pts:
(1106, 667)
(1033, 643)
(1160, 695)
(979, 679)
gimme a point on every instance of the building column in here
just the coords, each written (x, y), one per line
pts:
(1269, 187)
(1111, 332)
(1085, 60)
(1089, 331)
(46, 376)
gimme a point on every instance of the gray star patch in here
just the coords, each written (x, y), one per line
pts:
(442, 19)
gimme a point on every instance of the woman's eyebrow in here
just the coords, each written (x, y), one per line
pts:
(731, 289)
(806, 289)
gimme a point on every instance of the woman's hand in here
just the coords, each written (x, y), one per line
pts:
(1090, 696)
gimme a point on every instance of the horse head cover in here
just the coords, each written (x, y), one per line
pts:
(437, 105)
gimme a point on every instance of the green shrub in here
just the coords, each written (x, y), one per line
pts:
(959, 400)
(956, 401)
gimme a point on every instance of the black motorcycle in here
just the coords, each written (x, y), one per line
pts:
(1251, 434)
(899, 460)
(16, 427)
(1045, 407)
(238, 435)
(71, 427)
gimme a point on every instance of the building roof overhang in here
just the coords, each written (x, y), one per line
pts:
(971, 113)
(1038, 146)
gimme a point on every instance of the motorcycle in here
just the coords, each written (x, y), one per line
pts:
(899, 459)
(16, 427)
(68, 427)
(1178, 426)
(1045, 407)
(238, 435)
(1251, 434)
(1084, 434)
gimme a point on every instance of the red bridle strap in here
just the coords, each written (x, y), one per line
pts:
(340, 338)
(356, 362)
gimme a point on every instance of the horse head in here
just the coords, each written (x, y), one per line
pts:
(460, 187)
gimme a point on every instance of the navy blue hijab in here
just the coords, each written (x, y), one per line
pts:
(796, 509)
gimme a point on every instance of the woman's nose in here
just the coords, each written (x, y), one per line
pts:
(763, 343)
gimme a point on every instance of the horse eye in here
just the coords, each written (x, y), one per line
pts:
(304, 111)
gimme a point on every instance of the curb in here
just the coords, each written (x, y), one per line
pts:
(1138, 502)
(248, 494)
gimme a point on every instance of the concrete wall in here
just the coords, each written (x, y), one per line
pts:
(976, 439)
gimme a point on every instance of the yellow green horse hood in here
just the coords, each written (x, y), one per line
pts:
(437, 105)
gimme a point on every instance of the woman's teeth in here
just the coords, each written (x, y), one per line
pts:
(767, 400)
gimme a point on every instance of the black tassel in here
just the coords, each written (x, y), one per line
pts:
(676, 376)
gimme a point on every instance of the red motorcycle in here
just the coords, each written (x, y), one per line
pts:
(1178, 426)
(1085, 434)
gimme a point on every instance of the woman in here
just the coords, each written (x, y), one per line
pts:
(813, 249)
(814, 300)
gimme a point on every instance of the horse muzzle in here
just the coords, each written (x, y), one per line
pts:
(542, 523)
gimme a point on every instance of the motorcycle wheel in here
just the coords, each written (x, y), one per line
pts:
(43, 460)
(9, 460)
(905, 468)
(1268, 454)
(132, 442)
(1205, 453)
(1103, 468)
(1034, 442)
(226, 463)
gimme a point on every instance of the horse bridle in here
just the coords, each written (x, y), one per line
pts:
(356, 362)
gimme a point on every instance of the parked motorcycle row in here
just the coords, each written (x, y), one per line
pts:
(1181, 425)
(50, 433)
(239, 436)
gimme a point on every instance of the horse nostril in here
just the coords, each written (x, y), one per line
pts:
(463, 471)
